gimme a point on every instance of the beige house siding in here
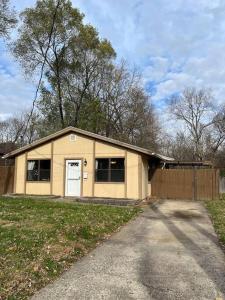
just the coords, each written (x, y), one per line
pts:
(43, 152)
(20, 174)
(104, 150)
(132, 175)
(62, 148)
(149, 189)
(40, 188)
(111, 190)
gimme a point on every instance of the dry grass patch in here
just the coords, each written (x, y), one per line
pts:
(40, 239)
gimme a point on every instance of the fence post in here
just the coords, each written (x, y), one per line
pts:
(194, 184)
(213, 183)
(217, 183)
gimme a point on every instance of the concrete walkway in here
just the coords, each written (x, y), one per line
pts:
(169, 252)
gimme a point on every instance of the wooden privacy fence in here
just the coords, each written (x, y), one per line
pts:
(6, 179)
(196, 184)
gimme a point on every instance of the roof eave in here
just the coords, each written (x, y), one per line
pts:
(86, 133)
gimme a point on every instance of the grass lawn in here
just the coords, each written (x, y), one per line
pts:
(39, 239)
(216, 209)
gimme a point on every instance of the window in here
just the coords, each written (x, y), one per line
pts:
(109, 170)
(38, 170)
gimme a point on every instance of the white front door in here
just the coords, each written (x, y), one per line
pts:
(73, 178)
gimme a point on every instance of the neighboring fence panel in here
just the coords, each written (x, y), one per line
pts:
(207, 183)
(185, 183)
(6, 179)
(222, 185)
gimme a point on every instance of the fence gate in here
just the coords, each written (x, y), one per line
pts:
(6, 179)
(196, 184)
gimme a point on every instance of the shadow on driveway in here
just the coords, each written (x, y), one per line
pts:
(173, 267)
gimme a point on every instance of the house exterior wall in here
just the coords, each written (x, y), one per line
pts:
(111, 190)
(42, 151)
(84, 148)
(132, 175)
(40, 188)
(20, 170)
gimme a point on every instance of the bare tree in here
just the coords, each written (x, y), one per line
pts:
(115, 87)
(129, 114)
(13, 129)
(218, 131)
(141, 123)
(179, 147)
(196, 110)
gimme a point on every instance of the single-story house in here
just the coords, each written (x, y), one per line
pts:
(77, 163)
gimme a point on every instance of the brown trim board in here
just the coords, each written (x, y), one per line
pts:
(126, 166)
(51, 175)
(140, 177)
(25, 175)
(15, 176)
(93, 171)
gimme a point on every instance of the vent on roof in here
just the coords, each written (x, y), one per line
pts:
(73, 137)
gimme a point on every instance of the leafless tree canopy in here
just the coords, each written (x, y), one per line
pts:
(203, 122)
(12, 129)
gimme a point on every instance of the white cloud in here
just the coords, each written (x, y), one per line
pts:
(157, 69)
(175, 43)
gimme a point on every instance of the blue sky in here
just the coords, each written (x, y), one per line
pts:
(174, 44)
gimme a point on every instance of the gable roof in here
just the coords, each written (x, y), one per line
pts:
(88, 134)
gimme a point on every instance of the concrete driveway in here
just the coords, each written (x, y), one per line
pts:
(169, 252)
